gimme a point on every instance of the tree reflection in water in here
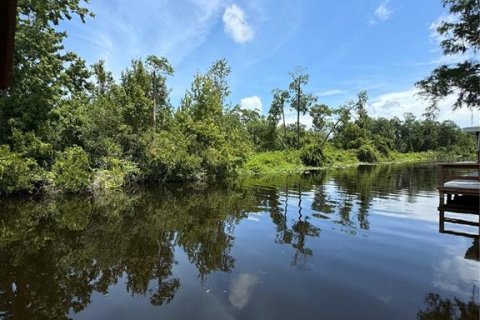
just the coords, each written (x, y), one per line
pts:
(56, 252)
(437, 308)
(296, 234)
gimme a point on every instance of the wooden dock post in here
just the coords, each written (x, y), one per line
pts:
(8, 15)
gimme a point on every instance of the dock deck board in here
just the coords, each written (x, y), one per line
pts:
(470, 185)
(467, 183)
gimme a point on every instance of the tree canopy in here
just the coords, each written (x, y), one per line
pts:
(460, 35)
(71, 127)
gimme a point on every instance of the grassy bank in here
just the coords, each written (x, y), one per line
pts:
(289, 161)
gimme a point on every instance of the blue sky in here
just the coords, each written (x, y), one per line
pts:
(345, 46)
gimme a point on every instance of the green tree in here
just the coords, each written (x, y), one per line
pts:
(104, 78)
(203, 101)
(320, 114)
(218, 73)
(361, 108)
(353, 134)
(135, 97)
(216, 139)
(277, 109)
(300, 101)
(461, 35)
(160, 67)
(44, 73)
(261, 129)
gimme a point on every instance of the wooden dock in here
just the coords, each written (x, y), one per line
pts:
(459, 191)
(465, 183)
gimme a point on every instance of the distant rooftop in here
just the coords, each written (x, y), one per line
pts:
(471, 129)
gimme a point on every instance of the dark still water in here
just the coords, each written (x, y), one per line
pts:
(359, 243)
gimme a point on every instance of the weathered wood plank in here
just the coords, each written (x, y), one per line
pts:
(459, 233)
(460, 221)
(462, 184)
(465, 191)
(460, 165)
(8, 14)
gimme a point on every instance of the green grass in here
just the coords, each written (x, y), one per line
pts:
(284, 162)
(415, 156)
(273, 162)
(339, 157)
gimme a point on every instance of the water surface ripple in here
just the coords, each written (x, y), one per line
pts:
(358, 243)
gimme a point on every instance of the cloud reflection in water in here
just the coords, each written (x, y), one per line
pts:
(241, 288)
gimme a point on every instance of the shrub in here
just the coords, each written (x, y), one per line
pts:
(367, 153)
(312, 155)
(383, 145)
(382, 148)
(71, 171)
(273, 162)
(356, 143)
(222, 160)
(17, 173)
(221, 150)
(334, 155)
(167, 158)
(116, 174)
(30, 146)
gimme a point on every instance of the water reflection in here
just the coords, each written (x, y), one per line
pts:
(241, 289)
(460, 216)
(460, 211)
(56, 253)
(438, 308)
(293, 232)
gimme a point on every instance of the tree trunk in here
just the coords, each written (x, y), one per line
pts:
(154, 104)
(284, 127)
(298, 129)
(298, 116)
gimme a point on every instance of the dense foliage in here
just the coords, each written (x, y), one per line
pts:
(69, 127)
(460, 34)
(349, 127)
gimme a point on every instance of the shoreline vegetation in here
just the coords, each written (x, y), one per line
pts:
(66, 127)
(289, 162)
(259, 164)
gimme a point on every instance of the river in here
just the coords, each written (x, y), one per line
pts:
(355, 243)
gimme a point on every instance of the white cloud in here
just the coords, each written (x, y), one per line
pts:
(437, 38)
(332, 92)
(382, 13)
(450, 59)
(291, 117)
(396, 104)
(434, 35)
(120, 31)
(236, 25)
(252, 103)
